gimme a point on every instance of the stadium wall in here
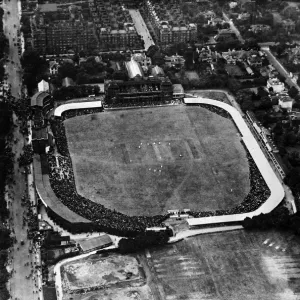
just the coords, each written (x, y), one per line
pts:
(80, 105)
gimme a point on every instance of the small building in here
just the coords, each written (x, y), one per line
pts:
(96, 243)
(178, 91)
(157, 71)
(142, 59)
(133, 68)
(53, 67)
(215, 21)
(254, 60)
(43, 86)
(286, 102)
(225, 35)
(288, 25)
(47, 8)
(41, 139)
(257, 28)
(275, 84)
(209, 14)
(67, 81)
(174, 61)
(243, 16)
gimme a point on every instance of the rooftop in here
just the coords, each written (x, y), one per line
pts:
(94, 243)
(133, 68)
(38, 98)
(49, 7)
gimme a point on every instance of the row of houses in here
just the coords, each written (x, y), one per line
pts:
(114, 26)
(57, 30)
(86, 26)
(169, 24)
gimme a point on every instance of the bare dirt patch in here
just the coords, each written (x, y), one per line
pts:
(100, 271)
(105, 277)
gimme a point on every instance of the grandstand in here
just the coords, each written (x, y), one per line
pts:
(54, 207)
(121, 93)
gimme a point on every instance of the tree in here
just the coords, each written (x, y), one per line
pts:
(233, 84)
(293, 92)
(82, 78)
(120, 75)
(158, 59)
(67, 69)
(247, 105)
(152, 50)
(82, 53)
(3, 44)
(261, 2)
(5, 239)
(293, 177)
(294, 158)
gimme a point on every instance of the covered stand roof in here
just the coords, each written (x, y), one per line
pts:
(38, 98)
(39, 134)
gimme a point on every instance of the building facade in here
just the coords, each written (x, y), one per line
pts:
(114, 26)
(57, 31)
(131, 92)
(170, 24)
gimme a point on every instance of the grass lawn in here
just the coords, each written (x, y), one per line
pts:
(234, 265)
(146, 161)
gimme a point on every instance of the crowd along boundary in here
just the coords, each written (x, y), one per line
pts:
(275, 186)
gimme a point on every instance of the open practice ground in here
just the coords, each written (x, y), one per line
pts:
(113, 276)
(229, 266)
(256, 265)
(146, 161)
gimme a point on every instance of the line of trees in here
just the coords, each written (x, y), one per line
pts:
(145, 240)
(3, 46)
(279, 218)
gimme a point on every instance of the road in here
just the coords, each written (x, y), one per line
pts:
(279, 67)
(22, 263)
(233, 28)
(141, 27)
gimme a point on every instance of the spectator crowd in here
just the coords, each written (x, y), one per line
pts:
(144, 101)
(63, 184)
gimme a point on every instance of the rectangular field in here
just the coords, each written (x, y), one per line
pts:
(146, 161)
(229, 265)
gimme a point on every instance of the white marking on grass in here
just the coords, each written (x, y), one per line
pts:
(266, 241)
(271, 244)
(277, 247)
